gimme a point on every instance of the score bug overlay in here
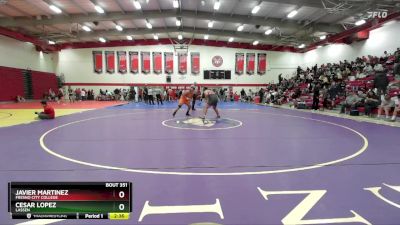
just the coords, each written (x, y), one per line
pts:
(70, 200)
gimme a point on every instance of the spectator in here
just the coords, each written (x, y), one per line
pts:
(386, 104)
(150, 94)
(352, 101)
(19, 99)
(315, 104)
(71, 94)
(60, 96)
(371, 102)
(48, 112)
(397, 108)
(242, 94)
(83, 94)
(158, 92)
(368, 69)
(381, 81)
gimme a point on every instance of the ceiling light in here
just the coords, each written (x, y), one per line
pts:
(180, 37)
(210, 24)
(322, 37)
(129, 38)
(217, 4)
(240, 28)
(206, 37)
(255, 42)
(52, 43)
(86, 28)
(55, 9)
(178, 22)
(319, 46)
(268, 32)
(292, 14)
(302, 46)
(255, 9)
(155, 37)
(99, 9)
(137, 4)
(148, 25)
(102, 40)
(360, 22)
(175, 3)
(231, 39)
(119, 28)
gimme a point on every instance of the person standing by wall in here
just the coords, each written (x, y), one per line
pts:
(158, 93)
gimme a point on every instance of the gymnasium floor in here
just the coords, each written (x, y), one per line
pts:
(256, 165)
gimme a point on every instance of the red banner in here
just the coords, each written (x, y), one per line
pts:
(261, 63)
(145, 56)
(157, 62)
(195, 62)
(134, 62)
(110, 61)
(182, 63)
(98, 61)
(239, 63)
(168, 62)
(122, 64)
(250, 63)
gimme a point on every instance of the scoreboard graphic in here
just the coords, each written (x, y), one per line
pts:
(70, 200)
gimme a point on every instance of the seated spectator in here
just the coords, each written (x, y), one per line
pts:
(386, 104)
(397, 108)
(368, 69)
(352, 101)
(19, 99)
(371, 102)
(48, 112)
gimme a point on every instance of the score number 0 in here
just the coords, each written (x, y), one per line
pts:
(121, 206)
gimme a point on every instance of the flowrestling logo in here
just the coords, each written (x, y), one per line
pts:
(378, 14)
(197, 123)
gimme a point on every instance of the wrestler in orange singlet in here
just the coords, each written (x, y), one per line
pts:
(185, 99)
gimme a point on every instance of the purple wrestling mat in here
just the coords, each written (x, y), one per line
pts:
(256, 165)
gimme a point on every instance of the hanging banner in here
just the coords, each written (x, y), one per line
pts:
(195, 62)
(122, 64)
(182, 62)
(250, 63)
(157, 62)
(239, 63)
(97, 61)
(134, 62)
(145, 56)
(110, 61)
(261, 63)
(168, 62)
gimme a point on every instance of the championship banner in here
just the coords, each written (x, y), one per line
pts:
(145, 56)
(134, 62)
(98, 61)
(122, 64)
(239, 63)
(250, 60)
(182, 63)
(261, 63)
(157, 62)
(110, 61)
(168, 62)
(195, 62)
